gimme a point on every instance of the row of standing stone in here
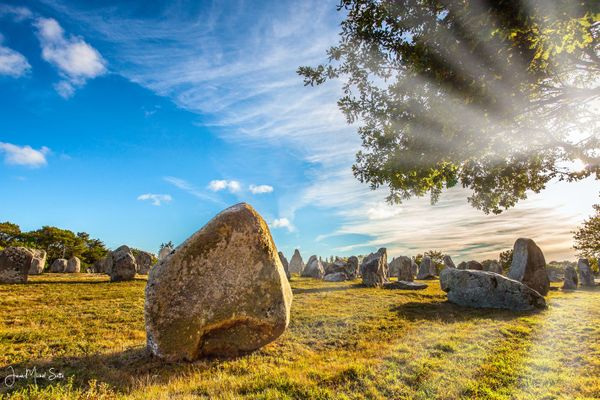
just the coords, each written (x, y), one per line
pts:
(17, 263)
(224, 291)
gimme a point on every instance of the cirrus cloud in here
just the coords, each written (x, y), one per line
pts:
(24, 155)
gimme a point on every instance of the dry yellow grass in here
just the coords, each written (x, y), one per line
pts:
(344, 342)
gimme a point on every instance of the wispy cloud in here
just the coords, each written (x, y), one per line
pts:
(24, 155)
(383, 210)
(451, 225)
(17, 13)
(283, 223)
(260, 189)
(75, 59)
(155, 199)
(236, 65)
(190, 188)
(218, 185)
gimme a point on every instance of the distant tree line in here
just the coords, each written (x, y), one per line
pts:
(57, 242)
(587, 238)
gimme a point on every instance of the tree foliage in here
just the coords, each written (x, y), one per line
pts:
(169, 244)
(9, 233)
(587, 237)
(58, 243)
(505, 259)
(496, 96)
(436, 256)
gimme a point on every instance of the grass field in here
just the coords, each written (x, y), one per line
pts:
(344, 342)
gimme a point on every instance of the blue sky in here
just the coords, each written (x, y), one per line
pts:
(137, 122)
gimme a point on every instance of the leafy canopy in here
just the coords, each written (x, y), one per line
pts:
(587, 237)
(58, 243)
(497, 96)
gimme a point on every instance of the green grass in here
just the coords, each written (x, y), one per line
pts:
(344, 342)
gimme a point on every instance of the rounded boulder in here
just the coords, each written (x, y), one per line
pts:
(14, 264)
(529, 266)
(73, 265)
(223, 292)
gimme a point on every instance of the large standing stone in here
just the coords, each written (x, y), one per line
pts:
(482, 289)
(296, 263)
(495, 267)
(143, 261)
(351, 267)
(335, 277)
(59, 265)
(529, 266)
(448, 263)
(164, 252)
(393, 267)
(426, 269)
(414, 267)
(404, 268)
(38, 262)
(286, 265)
(103, 265)
(374, 269)
(14, 264)
(73, 265)
(553, 276)
(348, 268)
(474, 265)
(586, 278)
(223, 292)
(313, 269)
(571, 281)
(122, 265)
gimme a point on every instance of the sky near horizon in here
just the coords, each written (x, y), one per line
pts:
(137, 122)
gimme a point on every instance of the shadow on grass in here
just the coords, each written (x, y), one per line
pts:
(328, 289)
(121, 371)
(448, 312)
(75, 282)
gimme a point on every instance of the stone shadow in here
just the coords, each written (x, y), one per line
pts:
(327, 289)
(75, 282)
(121, 371)
(449, 312)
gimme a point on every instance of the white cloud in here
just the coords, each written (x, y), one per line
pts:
(283, 223)
(24, 155)
(260, 189)
(12, 63)
(75, 59)
(218, 185)
(156, 199)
